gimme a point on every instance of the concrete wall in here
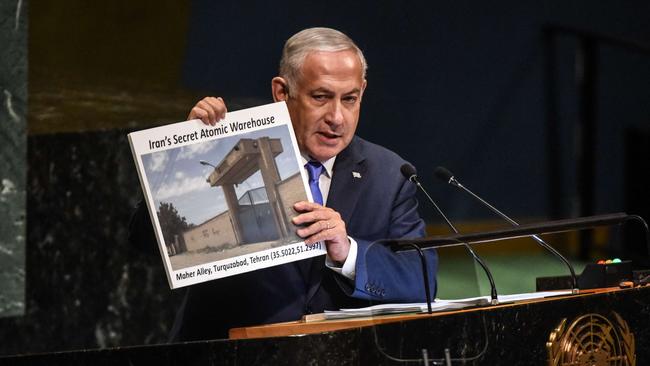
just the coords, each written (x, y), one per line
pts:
(216, 232)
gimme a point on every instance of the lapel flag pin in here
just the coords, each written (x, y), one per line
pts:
(356, 174)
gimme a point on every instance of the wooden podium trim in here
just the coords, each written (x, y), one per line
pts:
(318, 324)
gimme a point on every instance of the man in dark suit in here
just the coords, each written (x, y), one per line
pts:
(360, 196)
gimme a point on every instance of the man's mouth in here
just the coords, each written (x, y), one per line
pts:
(329, 135)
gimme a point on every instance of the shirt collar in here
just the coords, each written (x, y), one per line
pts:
(327, 164)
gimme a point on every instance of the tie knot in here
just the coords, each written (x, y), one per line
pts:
(315, 169)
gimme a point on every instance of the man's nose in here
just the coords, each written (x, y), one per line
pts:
(335, 113)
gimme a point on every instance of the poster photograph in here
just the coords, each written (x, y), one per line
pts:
(221, 197)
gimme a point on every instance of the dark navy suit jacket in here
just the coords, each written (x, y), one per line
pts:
(376, 202)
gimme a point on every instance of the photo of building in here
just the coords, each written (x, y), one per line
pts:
(241, 204)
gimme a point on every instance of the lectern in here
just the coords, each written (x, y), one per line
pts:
(601, 326)
(597, 327)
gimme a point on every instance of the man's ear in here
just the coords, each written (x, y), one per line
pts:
(280, 89)
(363, 89)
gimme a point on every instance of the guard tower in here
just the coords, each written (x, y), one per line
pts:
(247, 157)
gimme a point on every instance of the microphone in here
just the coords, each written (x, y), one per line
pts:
(409, 172)
(445, 175)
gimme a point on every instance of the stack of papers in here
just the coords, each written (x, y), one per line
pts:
(437, 305)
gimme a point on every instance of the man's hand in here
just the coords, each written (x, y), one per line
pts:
(323, 224)
(210, 110)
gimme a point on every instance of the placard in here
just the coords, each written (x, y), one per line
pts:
(221, 197)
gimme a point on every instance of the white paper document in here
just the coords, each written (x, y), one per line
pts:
(437, 305)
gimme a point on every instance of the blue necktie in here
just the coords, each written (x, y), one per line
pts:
(315, 169)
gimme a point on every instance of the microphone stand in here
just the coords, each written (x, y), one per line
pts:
(453, 181)
(493, 288)
(425, 274)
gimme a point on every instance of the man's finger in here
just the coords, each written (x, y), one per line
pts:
(312, 216)
(311, 229)
(210, 110)
(198, 113)
(224, 109)
(218, 107)
(318, 232)
(212, 113)
(307, 206)
(319, 214)
(308, 231)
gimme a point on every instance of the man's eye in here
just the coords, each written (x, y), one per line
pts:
(319, 97)
(350, 99)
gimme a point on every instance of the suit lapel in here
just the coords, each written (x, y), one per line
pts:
(345, 190)
(348, 180)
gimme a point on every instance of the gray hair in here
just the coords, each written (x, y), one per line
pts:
(310, 40)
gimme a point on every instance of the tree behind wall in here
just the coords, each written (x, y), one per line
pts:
(172, 224)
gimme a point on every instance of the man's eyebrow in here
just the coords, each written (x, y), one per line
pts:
(328, 91)
(322, 90)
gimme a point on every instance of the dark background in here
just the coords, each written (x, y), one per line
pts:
(457, 84)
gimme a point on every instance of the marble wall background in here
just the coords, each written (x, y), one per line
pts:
(85, 286)
(89, 85)
(13, 111)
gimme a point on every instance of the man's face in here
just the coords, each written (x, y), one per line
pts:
(325, 107)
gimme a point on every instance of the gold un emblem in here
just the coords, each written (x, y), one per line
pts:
(592, 340)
